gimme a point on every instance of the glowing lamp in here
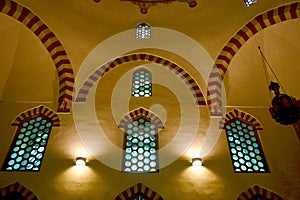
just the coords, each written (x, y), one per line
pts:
(197, 162)
(80, 161)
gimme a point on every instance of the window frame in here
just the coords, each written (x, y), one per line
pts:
(258, 141)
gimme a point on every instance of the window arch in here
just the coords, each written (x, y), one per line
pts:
(139, 191)
(142, 83)
(29, 144)
(143, 31)
(140, 150)
(16, 191)
(244, 143)
(257, 192)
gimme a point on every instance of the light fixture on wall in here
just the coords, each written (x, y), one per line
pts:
(80, 161)
(146, 4)
(284, 109)
(197, 162)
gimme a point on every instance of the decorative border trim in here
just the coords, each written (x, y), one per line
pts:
(260, 22)
(39, 110)
(98, 73)
(256, 189)
(49, 40)
(236, 113)
(18, 188)
(141, 112)
(138, 188)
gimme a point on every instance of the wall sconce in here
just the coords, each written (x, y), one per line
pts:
(197, 162)
(80, 161)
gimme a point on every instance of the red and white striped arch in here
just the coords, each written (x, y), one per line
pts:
(260, 22)
(17, 187)
(236, 113)
(49, 40)
(138, 188)
(39, 110)
(98, 73)
(257, 190)
(141, 112)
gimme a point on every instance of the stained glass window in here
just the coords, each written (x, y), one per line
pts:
(140, 147)
(29, 144)
(143, 31)
(142, 83)
(249, 2)
(245, 147)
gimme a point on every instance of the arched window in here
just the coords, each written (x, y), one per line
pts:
(143, 31)
(249, 2)
(139, 192)
(16, 191)
(28, 147)
(140, 196)
(259, 197)
(142, 83)
(257, 192)
(140, 153)
(244, 143)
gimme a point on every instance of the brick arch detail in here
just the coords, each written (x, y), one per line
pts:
(141, 113)
(49, 40)
(236, 113)
(260, 22)
(138, 188)
(98, 73)
(257, 190)
(17, 187)
(39, 110)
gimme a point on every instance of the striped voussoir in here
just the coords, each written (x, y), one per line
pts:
(141, 113)
(214, 92)
(138, 188)
(257, 190)
(262, 21)
(98, 73)
(17, 187)
(49, 40)
(39, 110)
(238, 114)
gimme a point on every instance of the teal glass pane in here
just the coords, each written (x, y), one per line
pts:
(27, 151)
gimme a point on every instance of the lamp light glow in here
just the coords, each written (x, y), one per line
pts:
(197, 162)
(80, 161)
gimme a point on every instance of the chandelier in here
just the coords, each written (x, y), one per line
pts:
(146, 4)
(284, 108)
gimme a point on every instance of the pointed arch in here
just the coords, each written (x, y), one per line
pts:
(244, 144)
(129, 193)
(260, 22)
(28, 147)
(39, 110)
(236, 113)
(258, 190)
(180, 72)
(49, 40)
(20, 189)
(141, 112)
(140, 146)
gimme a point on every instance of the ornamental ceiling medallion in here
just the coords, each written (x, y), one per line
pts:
(145, 4)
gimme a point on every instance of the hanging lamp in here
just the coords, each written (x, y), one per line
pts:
(284, 108)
